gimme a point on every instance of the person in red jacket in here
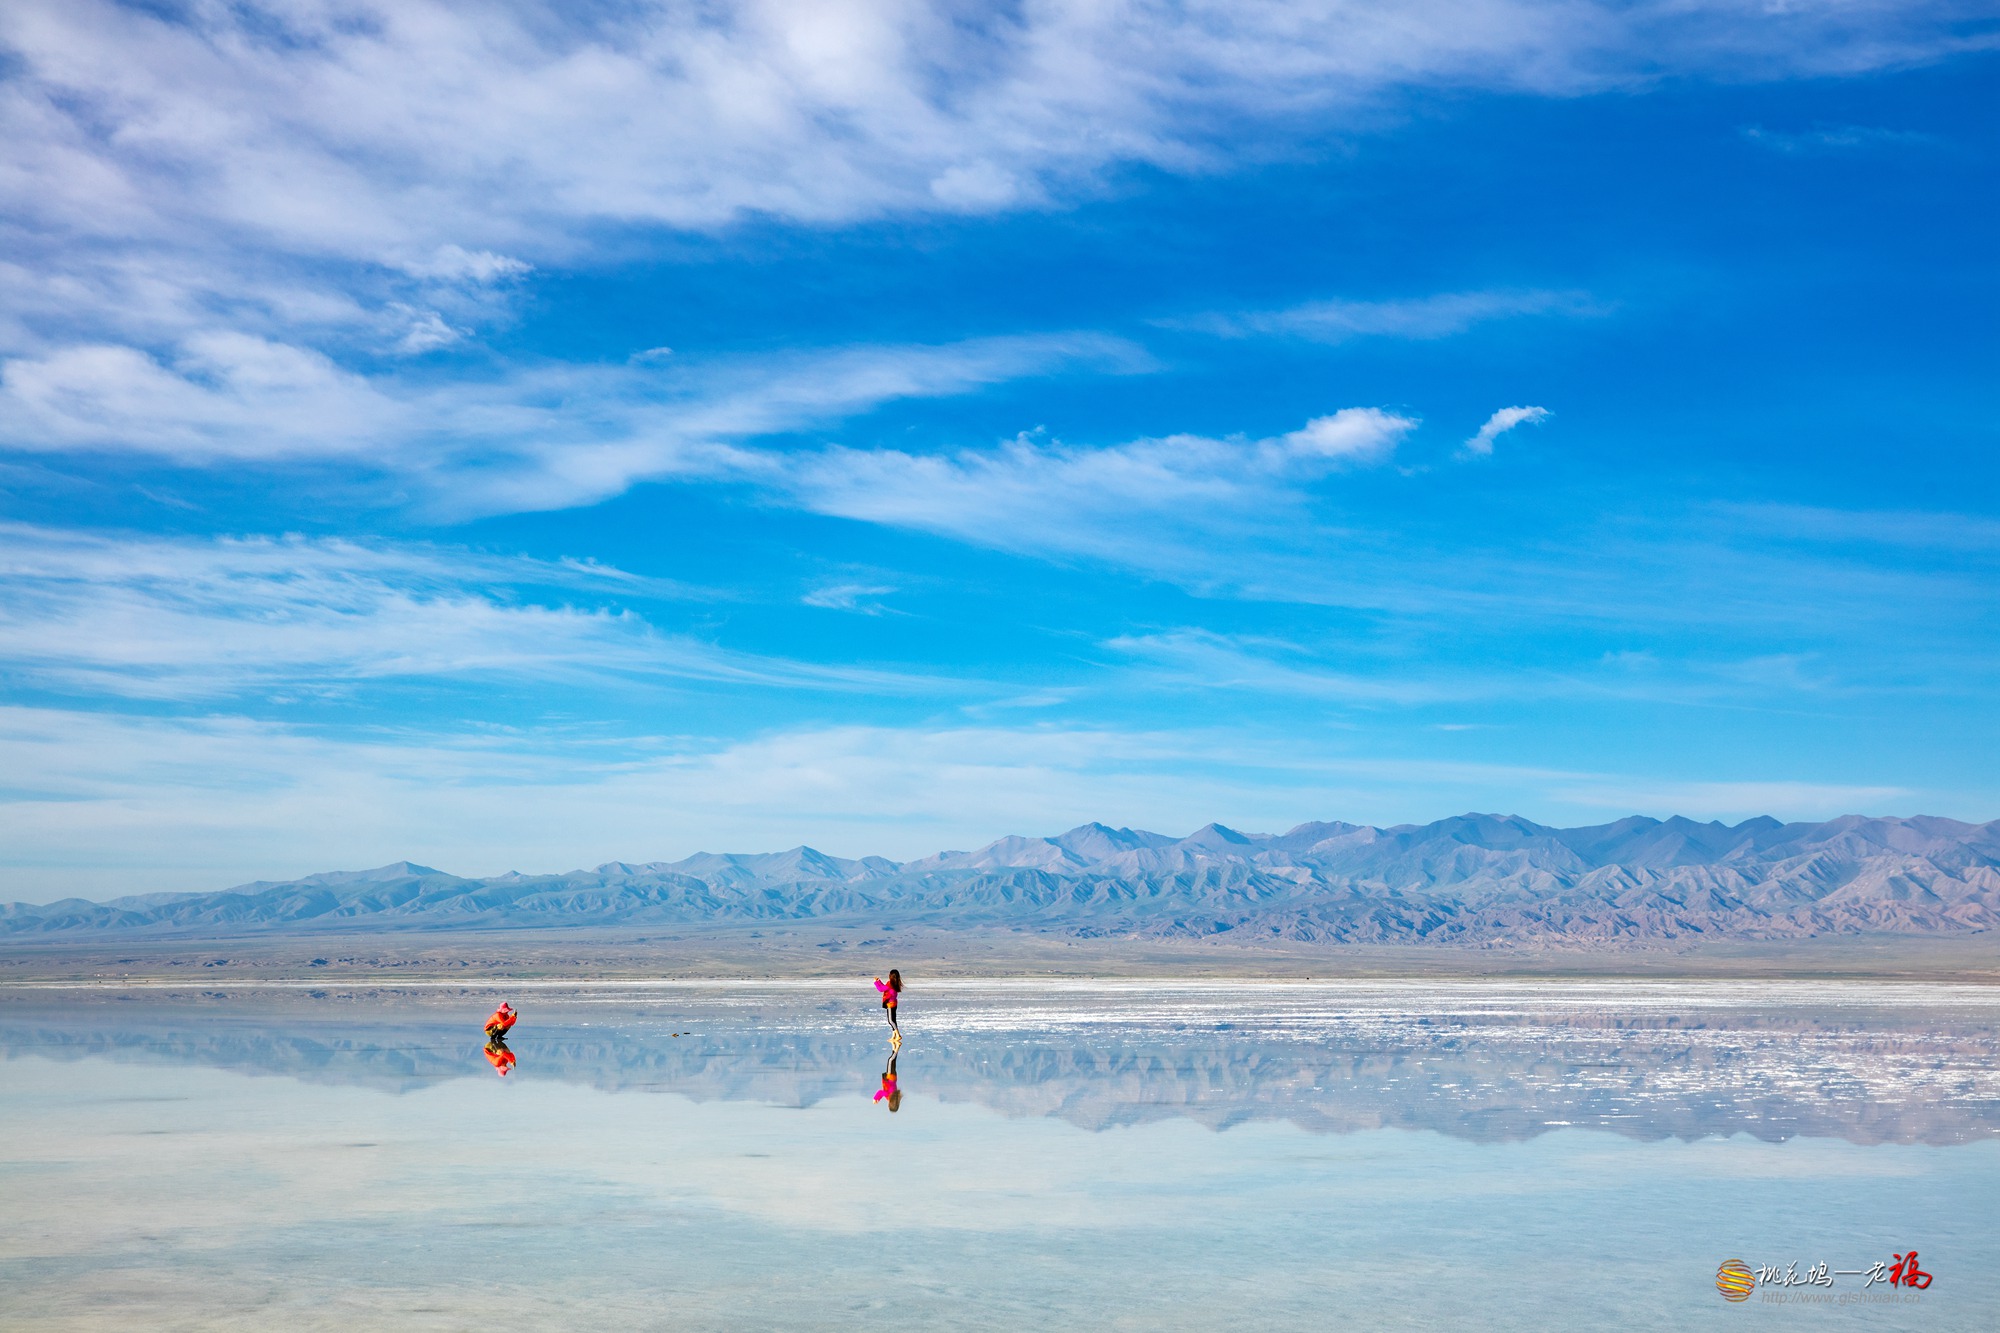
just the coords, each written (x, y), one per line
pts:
(890, 1093)
(497, 1054)
(502, 1020)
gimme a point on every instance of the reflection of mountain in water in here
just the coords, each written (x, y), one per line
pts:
(1491, 1073)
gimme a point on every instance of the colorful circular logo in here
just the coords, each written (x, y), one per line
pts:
(1735, 1280)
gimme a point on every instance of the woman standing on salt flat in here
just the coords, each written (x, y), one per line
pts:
(890, 990)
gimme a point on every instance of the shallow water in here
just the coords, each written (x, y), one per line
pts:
(1494, 1155)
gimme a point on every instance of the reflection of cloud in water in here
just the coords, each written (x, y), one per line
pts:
(1481, 1061)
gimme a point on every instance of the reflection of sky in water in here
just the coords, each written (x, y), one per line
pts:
(1055, 1160)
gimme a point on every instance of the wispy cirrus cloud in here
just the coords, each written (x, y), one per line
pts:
(536, 437)
(1052, 498)
(860, 598)
(190, 619)
(698, 421)
(348, 176)
(1418, 318)
(1198, 659)
(1834, 139)
(414, 134)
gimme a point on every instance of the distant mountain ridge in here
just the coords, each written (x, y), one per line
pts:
(1471, 880)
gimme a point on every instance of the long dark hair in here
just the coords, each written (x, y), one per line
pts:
(895, 981)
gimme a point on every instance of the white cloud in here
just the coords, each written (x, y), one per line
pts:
(538, 437)
(856, 597)
(158, 166)
(685, 420)
(446, 133)
(1202, 660)
(1834, 139)
(453, 263)
(1054, 498)
(427, 333)
(227, 395)
(977, 187)
(1417, 318)
(166, 618)
(1500, 423)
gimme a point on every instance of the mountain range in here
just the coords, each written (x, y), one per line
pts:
(1480, 880)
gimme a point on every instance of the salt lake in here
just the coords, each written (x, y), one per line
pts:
(1130, 1154)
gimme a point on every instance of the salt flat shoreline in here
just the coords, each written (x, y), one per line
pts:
(513, 957)
(1479, 1059)
(1243, 1002)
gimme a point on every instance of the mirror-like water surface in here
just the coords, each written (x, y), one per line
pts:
(1122, 1155)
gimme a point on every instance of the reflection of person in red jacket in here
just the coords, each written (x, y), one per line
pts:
(503, 1019)
(890, 1093)
(499, 1056)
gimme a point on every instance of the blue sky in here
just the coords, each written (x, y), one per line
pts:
(513, 437)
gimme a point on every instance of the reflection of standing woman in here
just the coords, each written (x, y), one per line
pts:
(890, 1093)
(890, 989)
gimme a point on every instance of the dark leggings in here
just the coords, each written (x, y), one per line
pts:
(892, 1016)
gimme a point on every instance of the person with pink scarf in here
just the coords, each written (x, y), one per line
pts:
(890, 990)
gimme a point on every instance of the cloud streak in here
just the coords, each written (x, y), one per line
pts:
(178, 619)
(1196, 659)
(536, 437)
(1502, 421)
(1051, 498)
(1834, 139)
(1418, 318)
